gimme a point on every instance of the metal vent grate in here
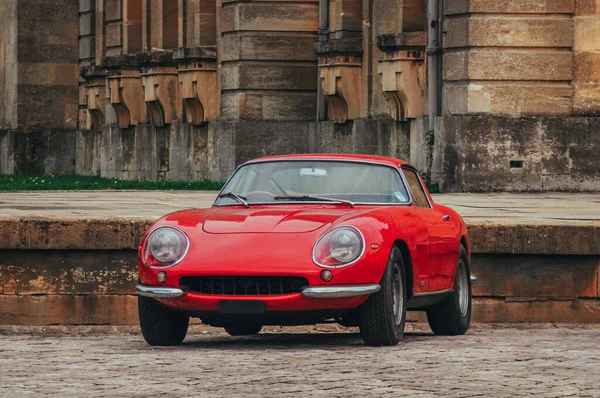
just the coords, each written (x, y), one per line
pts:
(244, 285)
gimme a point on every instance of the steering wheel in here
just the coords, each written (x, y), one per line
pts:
(264, 193)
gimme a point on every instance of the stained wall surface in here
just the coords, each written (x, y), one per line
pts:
(189, 89)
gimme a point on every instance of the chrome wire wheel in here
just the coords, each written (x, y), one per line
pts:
(398, 294)
(463, 287)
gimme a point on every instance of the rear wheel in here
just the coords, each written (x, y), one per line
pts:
(452, 316)
(160, 326)
(243, 330)
(383, 315)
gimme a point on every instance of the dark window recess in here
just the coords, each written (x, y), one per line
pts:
(516, 164)
(244, 285)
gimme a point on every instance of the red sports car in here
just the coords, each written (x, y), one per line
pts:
(301, 239)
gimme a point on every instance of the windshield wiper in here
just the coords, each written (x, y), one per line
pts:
(315, 198)
(235, 196)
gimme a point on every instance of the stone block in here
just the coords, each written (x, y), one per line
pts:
(509, 32)
(508, 98)
(86, 24)
(269, 16)
(508, 65)
(260, 138)
(86, 5)
(199, 91)
(586, 99)
(126, 95)
(548, 239)
(510, 275)
(110, 152)
(112, 10)
(86, 47)
(146, 152)
(51, 102)
(161, 95)
(68, 309)
(86, 152)
(265, 105)
(181, 153)
(587, 7)
(474, 154)
(403, 79)
(44, 152)
(7, 159)
(113, 34)
(587, 33)
(587, 68)
(510, 6)
(269, 76)
(499, 310)
(282, 47)
(35, 272)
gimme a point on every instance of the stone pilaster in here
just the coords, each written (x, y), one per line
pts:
(508, 58)
(268, 69)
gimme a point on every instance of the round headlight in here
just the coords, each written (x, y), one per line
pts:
(339, 247)
(345, 245)
(167, 245)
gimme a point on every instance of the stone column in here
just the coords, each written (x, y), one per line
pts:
(586, 49)
(268, 68)
(508, 58)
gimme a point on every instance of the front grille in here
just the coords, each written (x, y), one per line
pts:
(244, 285)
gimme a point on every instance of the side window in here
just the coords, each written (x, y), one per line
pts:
(416, 188)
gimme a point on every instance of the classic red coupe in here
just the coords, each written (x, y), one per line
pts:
(302, 239)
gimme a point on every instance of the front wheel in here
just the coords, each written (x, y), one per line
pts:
(383, 315)
(452, 316)
(160, 326)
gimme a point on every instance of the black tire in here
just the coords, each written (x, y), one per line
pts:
(378, 324)
(243, 330)
(160, 326)
(446, 318)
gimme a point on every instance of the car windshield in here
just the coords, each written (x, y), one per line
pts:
(314, 181)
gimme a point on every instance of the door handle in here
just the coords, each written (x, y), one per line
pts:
(447, 217)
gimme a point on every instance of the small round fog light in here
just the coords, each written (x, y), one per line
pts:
(326, 275)
(162, 276)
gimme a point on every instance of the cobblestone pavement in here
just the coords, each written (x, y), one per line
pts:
(488, 362)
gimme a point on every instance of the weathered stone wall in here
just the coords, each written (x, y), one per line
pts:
(84, 272)
(484, 153)
(189, 89)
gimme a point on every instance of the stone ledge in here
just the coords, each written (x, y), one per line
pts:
(347, 46)
(402, 41)
(97, 233)
(122, 310)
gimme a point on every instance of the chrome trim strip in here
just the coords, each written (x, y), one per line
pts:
(339, 291)
(364, 247)
(473, 278)
(434, 293)
(159, 291)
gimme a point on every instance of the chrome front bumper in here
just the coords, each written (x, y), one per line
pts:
(313, 292)
(159, 292)
(339, 291)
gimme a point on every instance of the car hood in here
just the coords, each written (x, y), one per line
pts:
(268, 220)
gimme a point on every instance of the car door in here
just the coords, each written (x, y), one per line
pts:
(441, 232)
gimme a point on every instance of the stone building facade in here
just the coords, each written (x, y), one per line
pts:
(481, 95)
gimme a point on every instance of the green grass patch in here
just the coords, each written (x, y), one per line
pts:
(64, 182)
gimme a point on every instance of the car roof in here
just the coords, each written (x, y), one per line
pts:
(332, 156)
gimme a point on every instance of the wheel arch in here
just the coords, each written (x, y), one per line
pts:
(408, 265)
